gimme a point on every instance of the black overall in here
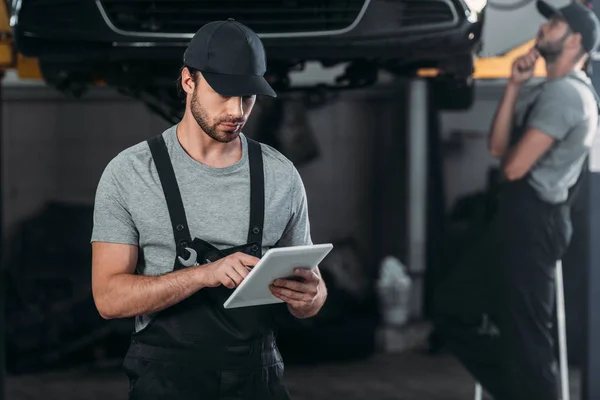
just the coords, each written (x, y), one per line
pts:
(196, 349)
(510, 280)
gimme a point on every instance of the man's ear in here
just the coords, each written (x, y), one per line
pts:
(188, 83)
(574, 41)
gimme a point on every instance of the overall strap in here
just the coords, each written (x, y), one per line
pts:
(590, 87)
(168, 180)
(257, 196)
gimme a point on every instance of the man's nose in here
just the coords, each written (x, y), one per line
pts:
(235, 107)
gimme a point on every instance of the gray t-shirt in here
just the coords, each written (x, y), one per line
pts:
(566, 109)
(130, 206)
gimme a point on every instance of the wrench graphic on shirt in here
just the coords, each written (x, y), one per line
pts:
(192, 261)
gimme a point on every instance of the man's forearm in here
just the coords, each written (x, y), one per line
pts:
(128, 295)
(503, 122)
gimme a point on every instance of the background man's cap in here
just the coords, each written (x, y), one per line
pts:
(580, 19)
(231, 58)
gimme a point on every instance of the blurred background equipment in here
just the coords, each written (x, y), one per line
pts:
(51, 318)
(345, 329)
(284, 125)
(394, 290)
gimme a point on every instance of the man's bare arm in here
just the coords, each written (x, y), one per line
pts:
(499, 138)
(532, 146)
(522, 70)
(118, 293)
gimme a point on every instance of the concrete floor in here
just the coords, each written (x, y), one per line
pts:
(410, 375)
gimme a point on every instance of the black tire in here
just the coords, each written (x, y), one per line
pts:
(452, 93)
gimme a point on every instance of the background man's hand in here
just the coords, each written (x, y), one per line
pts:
(228, 271)
(524, 66)
(304, 297)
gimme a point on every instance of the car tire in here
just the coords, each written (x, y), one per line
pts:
(453, 93)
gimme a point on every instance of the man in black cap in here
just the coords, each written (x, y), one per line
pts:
(181, 218)
(542, 134)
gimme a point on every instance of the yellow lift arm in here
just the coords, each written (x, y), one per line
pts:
(10, 58)
(496, 67)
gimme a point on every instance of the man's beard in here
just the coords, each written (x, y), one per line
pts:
(201, 117)
(552, 50)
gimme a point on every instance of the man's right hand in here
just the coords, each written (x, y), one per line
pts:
(524, 66)
(228, 271)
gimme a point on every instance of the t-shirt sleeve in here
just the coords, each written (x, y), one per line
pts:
(297, 232)
(557, 110)
(112, 220)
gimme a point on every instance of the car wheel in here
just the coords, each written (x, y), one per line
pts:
(453, 93)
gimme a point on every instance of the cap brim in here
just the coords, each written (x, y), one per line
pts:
(239, 85)
(547, 10)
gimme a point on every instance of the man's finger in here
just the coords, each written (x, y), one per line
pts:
(534, 56)
(535, 52)
(235, 276)
(307, 274)
(228, 282)
(274, 291)
(292, 294)
(309, 287)
(292, 302)
(242, 270)
(287, 283)
(247, 259)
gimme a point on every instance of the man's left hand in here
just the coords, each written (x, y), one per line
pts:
(304, 297)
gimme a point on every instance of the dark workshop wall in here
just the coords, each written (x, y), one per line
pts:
(56, 148)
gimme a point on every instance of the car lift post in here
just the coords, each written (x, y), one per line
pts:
(589, 380)
(7, 61)
(416, 153)
(2, 259)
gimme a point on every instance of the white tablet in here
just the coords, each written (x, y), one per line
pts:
(277, 263)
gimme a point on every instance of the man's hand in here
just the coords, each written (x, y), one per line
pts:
(304, 297)
(524, 66)
(228, 271)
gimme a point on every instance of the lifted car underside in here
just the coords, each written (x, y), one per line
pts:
(135, 46)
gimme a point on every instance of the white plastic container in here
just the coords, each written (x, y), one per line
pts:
(394, 291)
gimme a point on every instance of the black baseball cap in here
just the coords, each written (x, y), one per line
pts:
(580, 19)
(231, 58)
